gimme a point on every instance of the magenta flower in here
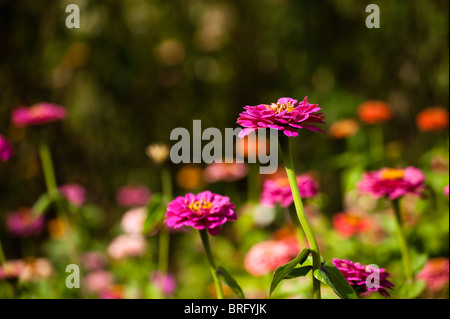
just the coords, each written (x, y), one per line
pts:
(358, 277)
(204, 210)
(127, 245)
(129, 196)
(284, 115)
(446, 190)
(228, 172)
(435, 274)
(6, 150)
(75, 193)
(23, 223)
(164, 282)
(40, 113)
(278, 191)
(12, 269)
(392, 182)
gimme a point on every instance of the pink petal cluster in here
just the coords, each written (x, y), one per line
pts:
(278, 191)
(98, 281)
(435, 273)
(12, 269)
(266, 256)
(164, 282)
(284, 115)
(6, 149)
(37, 114)
(204, 210)
(126, 245)
(446, 190)
(24, 223)
(357, 276)
(133, 220)
(93, 260)
(129, 196)
(228, 172)
(75, 193)
(349, 224)
(392, 182)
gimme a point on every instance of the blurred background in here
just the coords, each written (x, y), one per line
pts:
(137, 69)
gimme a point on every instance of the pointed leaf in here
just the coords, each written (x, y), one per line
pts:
(227, 279)
(282, 271)
(331, 276)
(42, 204)
(298, 272)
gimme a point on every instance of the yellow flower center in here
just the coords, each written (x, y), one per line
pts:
(393, 173)
(197, 205)
(281, 107)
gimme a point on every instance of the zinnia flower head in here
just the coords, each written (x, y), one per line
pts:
(24, 223)
(6, 150)
(75, 193)
(98, 281)
(446, 190)
(435, 273)
(349, 224)
(357, 276)
(129, 196)
(164, 282)
(278, 191)
(344, 128)
(11, 269)
(158, 152)
(37, 114)
(266, 256)
(284, 115)
(392, 182)
(432, 119)
(127, 245)
(374, 112)
(204, 210)
(36, 269)
(133, 220)
(228, 172)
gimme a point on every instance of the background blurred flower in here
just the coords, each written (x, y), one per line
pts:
(285, 115)
(129, 196)
(373, 112)
(56, 228)
(98, 281)
(190, 178)
(392, 182)
(11, 269)
(356, 274)
(36, 269)
(133, 220)
(24, 223)
(93, 260)
(36, 114)
(349, 223)
(432, 119)
(165, 283)
(127, 245)
(204, 210)
(6, 149)
(446, 190)
(435, 274)
(266, 256)
(75, 193)
(278, 191)
(344, 128)
(228, 172)
(157, 152)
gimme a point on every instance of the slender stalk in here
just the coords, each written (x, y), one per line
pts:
(2, 254)
(290, 171)
(299, 233)
(402, 241)
(212, 264)
(376, 142)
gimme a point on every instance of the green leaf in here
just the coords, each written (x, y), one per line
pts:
(282, 271)
(298, 272)
(155, 213)
(331, 276)
(227, 279)
(42, 204)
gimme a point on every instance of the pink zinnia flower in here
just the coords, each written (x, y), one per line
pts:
(127, 246)
(278, 191)
(98, 281)
(228, 172)
(164, 282)
(12, 269)
(204, 210)
(129, 196)
(435, 273)
(392, 182)
(446, 190)
(6, 150)
(357, 276)
(266, 256)
(349, 224)
(23, 223)
(133, 220)
(75, 193)
(93, 260)
(285, 115)
(40, 113)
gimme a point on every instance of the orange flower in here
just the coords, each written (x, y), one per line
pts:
(432, 119)
(190, 177)
(344, 128)
(373, 112)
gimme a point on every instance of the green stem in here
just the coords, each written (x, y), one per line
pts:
(2, 254)
(402, 241)
(52, 189)
(290, 171)
(376, 143)
(212, 264)
(300, 234)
